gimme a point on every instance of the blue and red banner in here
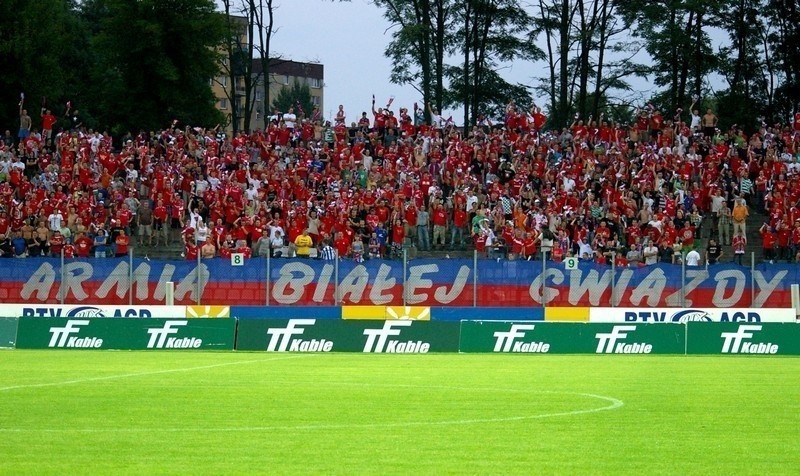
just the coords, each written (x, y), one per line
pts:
(446, 282)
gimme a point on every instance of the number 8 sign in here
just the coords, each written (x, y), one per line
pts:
(237, 259)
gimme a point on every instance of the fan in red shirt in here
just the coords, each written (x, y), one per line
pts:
(56, 243)
(83, 246)
(769, 239)
(123, 242)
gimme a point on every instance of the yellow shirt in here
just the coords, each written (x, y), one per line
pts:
(303, 244)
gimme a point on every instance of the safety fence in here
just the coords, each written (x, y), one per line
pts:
(400, 336)
(409, 282)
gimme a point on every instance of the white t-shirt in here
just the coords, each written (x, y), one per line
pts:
(55, 220)
(648, 260)
(289, 119)
(693, 258)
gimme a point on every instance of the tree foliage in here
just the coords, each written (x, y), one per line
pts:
(298, 96)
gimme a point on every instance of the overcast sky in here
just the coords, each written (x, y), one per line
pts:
(349, 39)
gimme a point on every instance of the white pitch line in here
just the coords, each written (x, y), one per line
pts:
(143, 374)
(614, 404)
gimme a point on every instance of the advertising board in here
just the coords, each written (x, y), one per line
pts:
(743, 338)
(125, 333)
(321, 335)
(571, 338)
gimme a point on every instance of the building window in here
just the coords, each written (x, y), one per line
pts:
(223, 80)
(259, 95)
(285, 79)
(315, 83)
(315, 100)
(223, 103)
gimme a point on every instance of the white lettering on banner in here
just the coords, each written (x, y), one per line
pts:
(299, 281)
(551, 275)
(158, 335)
(444, 297)
(595, 284)
(764, 288)
(729, 282)
(354, 284)
(508, 341)
(651, 287)
(60, 334)
(382, 283)
(41, 282)
(323, 281)
(378, 340)
(288, 282)
(683, 315)
(281, 338)
(738, 342)
(607, 342)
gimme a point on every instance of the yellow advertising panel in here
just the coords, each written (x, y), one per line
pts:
(364, 312)
(413, 313)
(569, 314)
(208, 311)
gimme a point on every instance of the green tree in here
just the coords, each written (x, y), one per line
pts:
(297, 94)
(419, 44)
(154, 60)
(44, 51)
(489, 33)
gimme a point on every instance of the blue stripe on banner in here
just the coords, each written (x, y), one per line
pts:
(286, 312)
(487, 313)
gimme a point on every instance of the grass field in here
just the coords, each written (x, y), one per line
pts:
(218, 413)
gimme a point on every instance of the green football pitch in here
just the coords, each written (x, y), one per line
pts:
(95, 412)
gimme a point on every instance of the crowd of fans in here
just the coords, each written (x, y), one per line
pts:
(518, 189)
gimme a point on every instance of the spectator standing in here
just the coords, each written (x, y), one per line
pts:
(650, 253)
(144, 217)
(713, 252)
(303, 244)
(439, 225)
(693, 258)
(725, 220)
(739, 215)
(423, 220)
(769, 240)
(122, 242)
(327, 253)
(100, 243)
(739, 244)
(25, 123)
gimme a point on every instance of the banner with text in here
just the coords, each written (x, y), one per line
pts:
(747, 339)
(125, 334)
(679, 315)
(571, 338)
(421, 282)
(324, 335)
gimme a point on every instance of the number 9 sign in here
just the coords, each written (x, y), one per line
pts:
(571, 263)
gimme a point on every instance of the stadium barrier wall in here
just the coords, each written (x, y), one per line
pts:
(402, 336)
(746, 339)
(125, 333)
(8, 332)
(572, 338)
(323, 335)
(417, 282)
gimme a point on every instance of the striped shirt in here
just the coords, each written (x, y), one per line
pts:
(746, 186)
(328, 253)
